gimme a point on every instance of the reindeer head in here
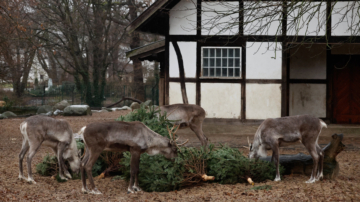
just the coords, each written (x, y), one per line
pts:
(256, 150)
(71, 155)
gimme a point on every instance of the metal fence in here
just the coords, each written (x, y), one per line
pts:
(67, 91)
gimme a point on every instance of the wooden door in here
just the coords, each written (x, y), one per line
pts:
(346, 88)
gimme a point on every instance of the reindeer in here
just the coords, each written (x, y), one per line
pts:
(119, 137)
(57, 135)
(276, 132)
(187, 115)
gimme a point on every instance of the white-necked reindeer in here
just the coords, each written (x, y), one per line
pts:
(119, 137)
(276, 132)
(57, 135)
(187, 115)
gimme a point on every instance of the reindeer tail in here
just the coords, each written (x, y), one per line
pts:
(81, 133)
(323, 124)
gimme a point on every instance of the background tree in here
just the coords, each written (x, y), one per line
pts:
(17, 43)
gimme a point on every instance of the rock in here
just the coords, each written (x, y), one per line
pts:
(9, 114)
(77, 110)
(135, 105)
(147, 103)
(122, 108)
(58, 112)
(61, 105)
(2, 116)
(44, 109)
(47, 114)
(107, 109)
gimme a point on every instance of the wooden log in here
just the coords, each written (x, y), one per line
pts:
(123, 99)
(302, 164)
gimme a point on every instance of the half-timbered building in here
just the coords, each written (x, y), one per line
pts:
(242, 68)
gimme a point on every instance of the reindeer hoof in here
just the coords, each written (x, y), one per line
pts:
(130, 191)
(31, 181)
(136, 189)
(310, 181)
(277, 179)
(84, 191)
(67, 175)
(63, 178)
(95, 191)
(21, 177)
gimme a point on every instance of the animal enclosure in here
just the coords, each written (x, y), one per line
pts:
(292, 187)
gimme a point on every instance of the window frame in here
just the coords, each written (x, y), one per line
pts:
(221, 77)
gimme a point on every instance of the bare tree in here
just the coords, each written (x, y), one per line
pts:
(17, 44)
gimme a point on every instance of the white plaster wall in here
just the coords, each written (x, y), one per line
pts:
(263, 101)
(263, 61)
(307, 19)
(308, 99)
(188, 52)
(345, 19)
(214, 22)
(256, 21)
(221, 100)
(346, 49)
(308, 62)
(183, 18)
(175, 96)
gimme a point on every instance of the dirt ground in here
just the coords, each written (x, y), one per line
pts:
(292, 188)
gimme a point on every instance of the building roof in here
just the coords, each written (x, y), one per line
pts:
(155, 19)
(148, 52)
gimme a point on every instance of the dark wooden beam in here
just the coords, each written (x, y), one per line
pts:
(187, 80)
(243, 63)
(166, 65)
(236, 40)
(329, 65)
(198, 53)
(243, 83)
(263, 81)
(310, 81)
(284, 66)
(181, 72)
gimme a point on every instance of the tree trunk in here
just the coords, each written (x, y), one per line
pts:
(181, 72)
(139, 90)
(303, 164)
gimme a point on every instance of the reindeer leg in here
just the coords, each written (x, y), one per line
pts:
(94, 155)
(276, 158)
(135, 161)
(60, 150)
(34, 147)
(321, 164)
(196, 127)
(314, 154)
(25, 148)
(273, 157)
(82, 171)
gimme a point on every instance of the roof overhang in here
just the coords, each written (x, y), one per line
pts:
(155, 19)
(153, 51)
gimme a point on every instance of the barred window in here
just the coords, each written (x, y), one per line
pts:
(221, 62)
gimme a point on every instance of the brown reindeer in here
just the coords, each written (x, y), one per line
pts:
(122, 136)
(187, 115)
(276, 132)
(56, 134)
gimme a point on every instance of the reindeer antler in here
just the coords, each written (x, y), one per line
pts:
(172, 136)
